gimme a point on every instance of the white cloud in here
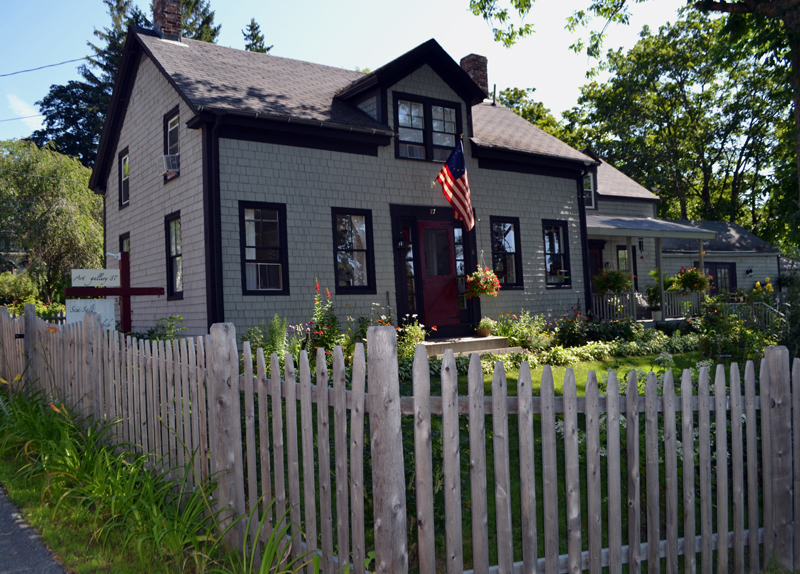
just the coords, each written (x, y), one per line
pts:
(23, 109)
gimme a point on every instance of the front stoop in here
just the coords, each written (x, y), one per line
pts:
(469, 345)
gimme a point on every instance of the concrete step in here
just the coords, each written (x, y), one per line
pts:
(466, 345)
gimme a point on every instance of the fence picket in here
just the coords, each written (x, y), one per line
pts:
(263, 445)
(671, 474)
(324, 447)
(250, 438)
(141, 383)
(155, 362)
(737, 470)
(549, 476)
(527, 469)
(721, 438)
(357, 459)
(423, 457)
(572, 474)
(195, 412)
(593, 486)
(202, 379)
(164, 372)
(340, 455)
(477, 465)
(176, 404)
(766, 462)
(169, 419)
(780, 387)
(652, 456)
(704, 426)
(277, 440)
(452, 466)
(752, 465)
(502, 470)
(309, 482)
(796, 467)
(185, 411)
(614, 481)
(292, 457)
(152, 385)
(129, 391)
(634, 516)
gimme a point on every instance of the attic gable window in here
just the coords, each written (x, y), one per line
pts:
(426, 128)
(172, 143)
(124, 178)
(588, 191)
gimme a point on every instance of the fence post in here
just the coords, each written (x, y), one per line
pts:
(226, 430)
(782, 479)
(29, 342)
(388, 478)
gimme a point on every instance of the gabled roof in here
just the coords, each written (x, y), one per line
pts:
(212, 78)
(730, 238)
(430, 53)
(612, 183)
(620, 226)
(497, 127)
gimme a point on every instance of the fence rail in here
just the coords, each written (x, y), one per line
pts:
(516, 474)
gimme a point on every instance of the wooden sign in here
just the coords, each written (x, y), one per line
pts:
(95, 278)
(77, 308)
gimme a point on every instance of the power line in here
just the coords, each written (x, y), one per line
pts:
(43, 67)
(22, 118)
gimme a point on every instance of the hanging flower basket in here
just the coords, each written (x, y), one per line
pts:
(691, 281)
(482, 281)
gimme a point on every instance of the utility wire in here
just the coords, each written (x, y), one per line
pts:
(22, 118)
(43, 67)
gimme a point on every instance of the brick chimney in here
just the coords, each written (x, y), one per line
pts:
(477, 68)
(167, 19)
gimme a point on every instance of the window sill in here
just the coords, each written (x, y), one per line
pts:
(264, 293)
(175, 297)
(124, 205)
(514, 287)
(356, 291)
(559, 287)
(168, 179)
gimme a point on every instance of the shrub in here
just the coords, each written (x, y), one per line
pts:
(165, 329)
(18, 288)
(411, 334)
(272, 338)
(527, 331)
(570, 330)
(725, 335)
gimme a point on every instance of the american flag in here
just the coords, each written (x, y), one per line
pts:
(455, 186)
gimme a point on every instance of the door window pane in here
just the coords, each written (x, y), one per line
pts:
(437, 252)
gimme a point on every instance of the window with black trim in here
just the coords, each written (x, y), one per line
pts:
(556, 254)
(353, 258)
(172, 226)
(426, 128)
(588, 191)
(172, 143)
(125, 242)
(506, 255)
(263, 240)
(124, 162)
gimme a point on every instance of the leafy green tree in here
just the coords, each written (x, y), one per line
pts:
(254, 39)
(74, 113)
(47, 211)
(521, 102)
(701, 132)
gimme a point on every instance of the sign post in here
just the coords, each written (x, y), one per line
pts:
(124, 290)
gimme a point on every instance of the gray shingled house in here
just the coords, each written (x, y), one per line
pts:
(236, 179)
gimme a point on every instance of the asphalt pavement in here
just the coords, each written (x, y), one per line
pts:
(21, 550)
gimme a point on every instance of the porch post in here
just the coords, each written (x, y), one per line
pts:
(700, 255)
(660, 279)
(632, 303)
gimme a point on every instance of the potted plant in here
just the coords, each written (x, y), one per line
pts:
(691, 280)
(482, 281)
(653, 297)
(611, 281)
(485, 326)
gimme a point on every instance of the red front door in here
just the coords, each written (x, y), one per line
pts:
(439, 287)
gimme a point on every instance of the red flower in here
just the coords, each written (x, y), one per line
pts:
(327, 292)
(434, 328)
(316, 282)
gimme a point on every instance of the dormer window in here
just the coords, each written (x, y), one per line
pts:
(426, 129)
(588, 191)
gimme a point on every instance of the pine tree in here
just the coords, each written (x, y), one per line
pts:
(74, 113)
(254, 39)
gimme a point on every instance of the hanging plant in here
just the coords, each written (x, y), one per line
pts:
(691, 280)
(611, 281)
(482, 281)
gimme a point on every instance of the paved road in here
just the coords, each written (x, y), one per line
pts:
(20, 547)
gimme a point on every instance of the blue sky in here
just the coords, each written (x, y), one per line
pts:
(348, 34)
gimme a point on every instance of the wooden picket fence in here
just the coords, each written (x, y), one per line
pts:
(730, 499)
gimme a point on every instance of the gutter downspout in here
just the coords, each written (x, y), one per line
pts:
(584, 241)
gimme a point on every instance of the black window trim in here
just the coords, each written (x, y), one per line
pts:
(520, 284)
(428, 131)
(284, 248)
(370, 288)
(167, 117)
(124, 153)
(565, 226)
(122, 238)
(593, 194)
(172, 295)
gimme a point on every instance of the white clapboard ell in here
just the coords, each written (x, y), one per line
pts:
(77, 308)
(95, 278)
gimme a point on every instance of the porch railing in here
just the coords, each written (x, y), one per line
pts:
(677, 304)
(610, 307)
(763, 314)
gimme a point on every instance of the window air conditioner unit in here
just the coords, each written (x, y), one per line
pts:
(172, 163)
